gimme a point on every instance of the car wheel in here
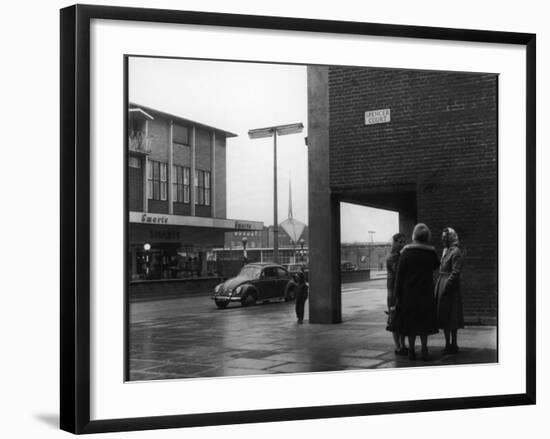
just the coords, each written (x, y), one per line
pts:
(290, 295)
(221, 304)
(248, 299)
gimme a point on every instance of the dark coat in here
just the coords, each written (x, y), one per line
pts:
(391, 268)
(448, 293)
(414, 289)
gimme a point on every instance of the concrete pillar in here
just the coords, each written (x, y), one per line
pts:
(325, 304)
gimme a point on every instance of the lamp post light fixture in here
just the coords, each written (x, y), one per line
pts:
(245, 259)
(372, 232)
(147, 247)
(274, 131)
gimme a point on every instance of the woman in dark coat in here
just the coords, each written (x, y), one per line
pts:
(398, 242)
(414, 289)
(448, 294)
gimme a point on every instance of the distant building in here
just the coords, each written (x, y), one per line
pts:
(176, 195)
(366, 255)
(293, 241)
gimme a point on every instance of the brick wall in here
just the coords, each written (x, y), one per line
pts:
(441, 141)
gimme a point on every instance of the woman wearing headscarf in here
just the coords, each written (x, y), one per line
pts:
(448, 294)
(414, 289)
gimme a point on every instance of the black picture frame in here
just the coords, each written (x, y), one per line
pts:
(75, 217)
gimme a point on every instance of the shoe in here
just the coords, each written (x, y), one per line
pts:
(447, 349)
(424, 355)
(454, 349)
(300, 321)
(402, 351)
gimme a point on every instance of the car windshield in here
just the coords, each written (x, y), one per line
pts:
(250, 272)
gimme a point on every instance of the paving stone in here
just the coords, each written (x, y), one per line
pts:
(179, 341)
(365, 353)
(250, 363)
(361, 363)
(141, 365)
(179, 369)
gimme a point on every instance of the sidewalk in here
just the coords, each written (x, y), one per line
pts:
(182, 342)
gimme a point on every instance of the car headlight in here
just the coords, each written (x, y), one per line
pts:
(217, 289)
(237, 290)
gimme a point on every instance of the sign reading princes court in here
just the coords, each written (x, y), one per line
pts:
(377, 116)
(193, 221)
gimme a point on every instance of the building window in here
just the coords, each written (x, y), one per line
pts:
(157, 180)
(181, 135)
(180, 184)
(202, 187)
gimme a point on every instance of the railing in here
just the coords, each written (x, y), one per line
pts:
(138, 141)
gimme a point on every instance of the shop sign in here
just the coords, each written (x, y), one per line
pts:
(154, 219)
(377, 116)
(164, 235)
(240, 225)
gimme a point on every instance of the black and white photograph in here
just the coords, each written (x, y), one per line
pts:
(274, 219)
(298, 219)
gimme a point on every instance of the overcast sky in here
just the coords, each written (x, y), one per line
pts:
(237, 97)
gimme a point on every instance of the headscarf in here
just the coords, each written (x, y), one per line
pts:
(421, 237)
(421, 233)
(452, 239)
(452, 236)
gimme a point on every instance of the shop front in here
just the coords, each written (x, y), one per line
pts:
(176, 247)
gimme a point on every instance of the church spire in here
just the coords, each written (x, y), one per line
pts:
(289, 198)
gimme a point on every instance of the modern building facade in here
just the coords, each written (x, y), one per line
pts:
(422, 143)
(176, 195)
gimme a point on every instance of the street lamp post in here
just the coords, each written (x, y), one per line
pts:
(147, 247)
(372, 232)
(273, 131)
(302, 249)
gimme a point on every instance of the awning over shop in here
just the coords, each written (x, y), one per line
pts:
(194, 221)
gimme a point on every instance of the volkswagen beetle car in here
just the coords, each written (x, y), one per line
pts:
(256, 282)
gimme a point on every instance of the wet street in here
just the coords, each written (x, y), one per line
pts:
(190, 337)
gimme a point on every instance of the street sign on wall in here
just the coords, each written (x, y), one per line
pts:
(377, 116)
